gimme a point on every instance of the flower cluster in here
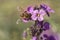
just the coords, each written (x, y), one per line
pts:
(41, 30)
(36, 13)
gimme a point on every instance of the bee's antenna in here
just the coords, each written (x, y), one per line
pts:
(20, 9)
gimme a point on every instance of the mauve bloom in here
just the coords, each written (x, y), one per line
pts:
(30, 9)
(51, 38)
(34, 38)
(38, 15)
(47, 9)
(46, 26)
(49, 35)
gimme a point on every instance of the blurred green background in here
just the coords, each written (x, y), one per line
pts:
(9, 30)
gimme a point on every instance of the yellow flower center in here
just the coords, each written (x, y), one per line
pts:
(38, 14)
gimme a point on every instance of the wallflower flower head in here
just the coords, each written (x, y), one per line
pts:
(51, 38)
(30, 9)
(40, 30)
(46, 26)
(34, 38)
(47, 9)
(38, 15)
(49, 35)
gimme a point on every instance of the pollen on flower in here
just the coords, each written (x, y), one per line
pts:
(38, 14)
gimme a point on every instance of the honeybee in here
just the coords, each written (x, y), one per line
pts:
(23, 14)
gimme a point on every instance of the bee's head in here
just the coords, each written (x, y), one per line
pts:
(25, 15)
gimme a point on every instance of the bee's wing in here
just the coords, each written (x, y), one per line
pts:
(20, 9)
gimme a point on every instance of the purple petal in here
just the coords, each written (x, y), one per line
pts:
(45, 7)
(24, 20)
(40, 18)
(47, 32)
(46, 26)
(49, 35)
(45, 35)
(51, 38)
(35, 12)
(34, 17)
(50, 10)
(42, 12)
(34, 38)
(30, 9)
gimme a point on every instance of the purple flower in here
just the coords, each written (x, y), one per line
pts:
(47, 8)
(49, 35)
(46, 26)
(51, 38)
(34, 38)
(30, 9)
(38, 15)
